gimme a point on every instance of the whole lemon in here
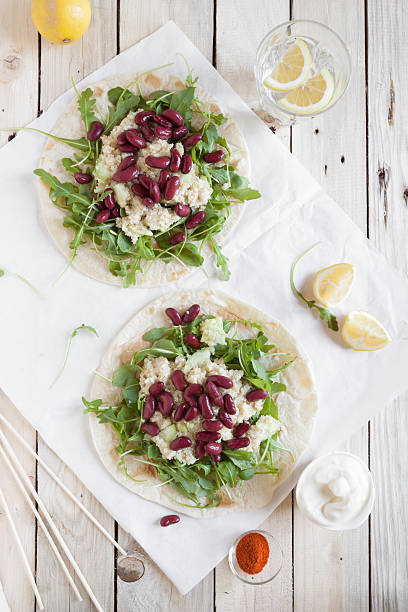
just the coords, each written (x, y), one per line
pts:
(61, 21)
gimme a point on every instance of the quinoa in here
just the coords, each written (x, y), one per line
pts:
(194, 190)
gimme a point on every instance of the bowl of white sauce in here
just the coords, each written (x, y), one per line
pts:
(336, 491)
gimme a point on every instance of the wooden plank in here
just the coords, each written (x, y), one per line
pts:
(137, 20)
(240, 28)
(92, 552)
(331, 569)
(18, 106)
(388, 224)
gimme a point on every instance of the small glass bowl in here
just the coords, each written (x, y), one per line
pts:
(271, 569)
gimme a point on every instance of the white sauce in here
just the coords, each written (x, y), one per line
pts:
(336, 491)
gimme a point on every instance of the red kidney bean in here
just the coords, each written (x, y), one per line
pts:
(221, 381)
(148, 202)
(156, 388)
(163, 178)
(195, 219)
(162, 132)
(182, 210)
(95, 131)
(179, 132)
(147, 132)
(150, 428)
(165, 403)
(154, 191)
(191, 413)
(256, 394)
(213, 448)
(82, 177)
(143, 116)
(205, 406)
(115, 212)
(144, 181)
(190, 392)
(127, 148)
(170, 519)
(175, 160)
(186, 163)
(109, 200)
(180, 442)
(225, 418)
(171, 187)
(215, 395)
(191, 314)
(103, 216)
(180, 412)
(139, 190)
(216, 458)
(178, 380)
(121, 139)
(126, 162)
(173, 315)
(215, 425)
(214, 157)
(192, 341)
(177, 238)
(101, 205)
(135, 139)
(241, 429)
(173, 116)
(126, 175)
(238, 443)
(149, 407)
(208, 436)
(192, 140)
(229, 405)
(157, 162)
(199, 450)
(160, 120)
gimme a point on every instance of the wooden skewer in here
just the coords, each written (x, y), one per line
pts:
(21, 550)
(51, 523)
(64, 487)
(41, 523)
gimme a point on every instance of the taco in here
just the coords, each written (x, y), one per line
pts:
(143, 177)
(202, 403)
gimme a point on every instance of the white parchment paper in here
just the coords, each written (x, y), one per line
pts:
(293, 213)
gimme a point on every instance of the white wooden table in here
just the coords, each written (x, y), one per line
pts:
(358, 153)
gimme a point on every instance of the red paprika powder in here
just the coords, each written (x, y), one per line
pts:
(252, 553)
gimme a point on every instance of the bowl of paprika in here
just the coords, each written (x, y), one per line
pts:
(256, 557)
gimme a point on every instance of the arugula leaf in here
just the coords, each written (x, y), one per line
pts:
(123, 101)
(85, 106)
(243, 194)
(69, 165)
(2, 272)
(181, 101)
(243, 460)
(221, 259)
(72, 336)
(324, 313)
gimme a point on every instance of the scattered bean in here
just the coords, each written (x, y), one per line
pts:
(149, 407)
(213, 448)
(199, 450)
(150, 428)
(165, 403)
(205, 406)
(154, 191)
(157, 162)
(139, 190)
(148, 202)
(162, 132)
(195, 219)
(190, 393)
(95, 131)
(192, 140)
(160, 120)
(178, 380)
(173, 116)
(170, 519)
(175, 160)
(144, 181)
(191, 314)
(180, 412)
(214, 157)
(156, 388)
(171, 187)
(103, 216)
(177, 238)
(241, 429)
(143, 116)
(182, 210)
(135, 139)
(208, 436)
(147, 132)
(191, 413)
(179, 132)
(180, 442)
(126, 162)
(163, 178)
(173, 315)
(256, 394)
(214, 425)
(229, 405)
(221, 381)
(115, 212)
(126, 175)
(186, 163)
(192, 341)
(225, 418)
(82, 178)
(215, 395)
(238, 443)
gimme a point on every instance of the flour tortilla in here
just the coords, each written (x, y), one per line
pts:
(70, 125)
(297, 406)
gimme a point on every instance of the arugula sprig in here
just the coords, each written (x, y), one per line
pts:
(203, 483)
(72, 336)
(324, 313)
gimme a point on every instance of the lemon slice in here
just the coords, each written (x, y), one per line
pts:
(333, 284)
(313, 96)
(292, 70)
(363, 332)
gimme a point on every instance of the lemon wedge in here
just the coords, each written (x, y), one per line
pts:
(363, 332)
(333, 284)
(310, 97)
(292, 70)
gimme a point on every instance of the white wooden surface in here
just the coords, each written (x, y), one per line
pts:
(358, 153)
